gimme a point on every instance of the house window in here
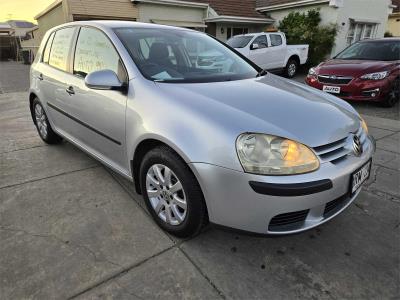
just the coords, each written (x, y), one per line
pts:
(360, 31)
(232, 31)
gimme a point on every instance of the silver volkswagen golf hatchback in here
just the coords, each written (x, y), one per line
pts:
(204, 134)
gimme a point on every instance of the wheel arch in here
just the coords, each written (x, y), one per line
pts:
(294, 57)
(32, 96)
(144, 146)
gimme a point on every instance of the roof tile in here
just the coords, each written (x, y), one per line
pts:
(264, 3)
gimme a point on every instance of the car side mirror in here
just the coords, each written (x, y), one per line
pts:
(254, 46)
(103, 80)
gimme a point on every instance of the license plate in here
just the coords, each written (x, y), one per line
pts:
(360, 176)
(331, 89)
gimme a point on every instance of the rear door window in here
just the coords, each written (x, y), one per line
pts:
(276, 40)
(60, 48)
(46, 52)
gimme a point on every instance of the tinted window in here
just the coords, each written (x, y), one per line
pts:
(95, 52)
(177, 55)
(239, 41)
(380, 50)
(46, 52)
(276, 40)
(60, 48)
(261, 41)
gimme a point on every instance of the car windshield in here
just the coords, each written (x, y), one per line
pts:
(372, 50)
(178, 55)
(239, 41)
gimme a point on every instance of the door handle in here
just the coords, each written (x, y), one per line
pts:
(40, 77)
(70, 90)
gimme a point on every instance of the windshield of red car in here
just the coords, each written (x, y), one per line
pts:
(373, 50)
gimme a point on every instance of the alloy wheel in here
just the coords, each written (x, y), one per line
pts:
(166, 194)
(41, 120)
(292, 69)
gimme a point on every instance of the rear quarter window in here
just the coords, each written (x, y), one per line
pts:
(60, 48)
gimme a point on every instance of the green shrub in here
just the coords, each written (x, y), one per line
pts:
(305, 28)
(388, 34)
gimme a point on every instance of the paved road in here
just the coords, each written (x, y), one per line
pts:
(69, 227)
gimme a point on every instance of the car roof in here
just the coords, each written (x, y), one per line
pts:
(256, 33)
(120, 24)
(387, 39)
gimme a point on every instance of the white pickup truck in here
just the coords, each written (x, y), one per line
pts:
(269, 51)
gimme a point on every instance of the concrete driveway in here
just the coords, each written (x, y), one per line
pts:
(71, 228)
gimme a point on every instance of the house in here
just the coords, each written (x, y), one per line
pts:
(220, 18)
(6, 41)
(5, 29)
(20, 27)
(31, 42)
(393, 25)
(12, 33)
(63, 11)
(356, 19)
(188, 14)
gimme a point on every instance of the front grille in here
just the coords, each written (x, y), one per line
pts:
(331, 79)
(343, 94)
(335, 205)
(288, 221)
(338, 150)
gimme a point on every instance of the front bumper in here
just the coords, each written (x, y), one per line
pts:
(357, 89)
(232, 202)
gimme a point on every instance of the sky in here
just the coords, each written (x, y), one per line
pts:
(22, 9)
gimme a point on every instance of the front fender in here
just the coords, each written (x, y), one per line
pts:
(194, 136)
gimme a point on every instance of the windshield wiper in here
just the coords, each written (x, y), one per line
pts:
(262, 73)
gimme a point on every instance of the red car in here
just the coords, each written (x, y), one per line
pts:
(368, 70)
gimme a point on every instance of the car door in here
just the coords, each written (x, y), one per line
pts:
(276, 51)
(40, 73)
(99, 115)
(55, 73)
(258, 51)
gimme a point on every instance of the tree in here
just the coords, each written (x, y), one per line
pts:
(305, 28)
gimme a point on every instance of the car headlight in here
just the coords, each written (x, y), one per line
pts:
(312, 72)
(375, 76)
(271, 155)
(364, 125)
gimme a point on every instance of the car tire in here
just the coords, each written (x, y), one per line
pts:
(180, 212)
(291, 68)
(42, 124)
(394, 94)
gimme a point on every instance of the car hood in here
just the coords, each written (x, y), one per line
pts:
(354, 68)
(268, 104)
(242, 50)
